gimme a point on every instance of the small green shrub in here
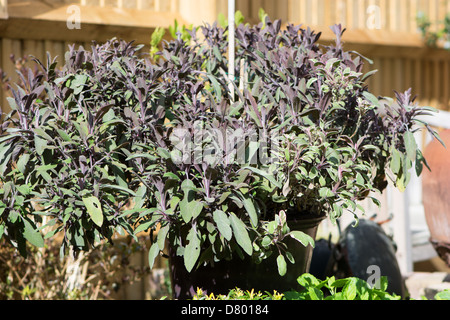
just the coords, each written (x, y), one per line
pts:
(351, 288)
(443, 295)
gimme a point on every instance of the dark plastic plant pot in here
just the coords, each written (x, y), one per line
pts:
(244, 273)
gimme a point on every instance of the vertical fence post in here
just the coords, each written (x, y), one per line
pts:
(3, 9)
(398, 202)
(231, 45)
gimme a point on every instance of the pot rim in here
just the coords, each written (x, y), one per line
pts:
(307, 220)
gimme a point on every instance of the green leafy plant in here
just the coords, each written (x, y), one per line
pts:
(156, 39)
(339, 289)
(433, 38)
(443, 295)
(223, 21)
(175, 31)
(313, 289)
(62, 160)
(182, 30)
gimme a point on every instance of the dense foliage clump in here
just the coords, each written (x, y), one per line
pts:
(117, 142)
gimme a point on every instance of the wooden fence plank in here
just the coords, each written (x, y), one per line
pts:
(3, 9)
(437, 82)
(427, 72)
(362, 13)
(8, 48)
(293, 10)
(413, 10)
(350, 14)
(314, 7)
(402, 7)
(303, 14)
(418, 78)
(407, 74)
(55, 48)
(398, 76)
(34, 48)
(341, 14)
(434, 14)
(282, 9)
(446, 86)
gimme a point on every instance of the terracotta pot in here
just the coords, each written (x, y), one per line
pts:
(436, 191)
(244, 274)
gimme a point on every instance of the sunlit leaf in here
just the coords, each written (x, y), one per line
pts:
(32, 234)
(223, 224)
(282, 265)
(192, 250)
(94, 209)
(302, 237)
(241, 234)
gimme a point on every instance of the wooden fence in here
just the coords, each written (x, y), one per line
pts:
(390, 15)
(386, 31)
(383, 30)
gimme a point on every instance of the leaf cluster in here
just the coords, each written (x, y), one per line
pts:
(434, 38)
(335, 141)
(303, 129)
(118, 142)
(339, 289)
(64, 146)
(313, 289)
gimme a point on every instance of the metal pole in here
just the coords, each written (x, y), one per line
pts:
(231, 44)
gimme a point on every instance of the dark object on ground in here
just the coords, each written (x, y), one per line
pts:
(364, 251)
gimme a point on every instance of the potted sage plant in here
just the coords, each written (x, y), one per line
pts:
(221, 173)
(244, 171)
